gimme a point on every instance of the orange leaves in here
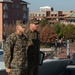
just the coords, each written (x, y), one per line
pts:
(47, 34)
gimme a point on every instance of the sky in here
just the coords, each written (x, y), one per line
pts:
(64, 5)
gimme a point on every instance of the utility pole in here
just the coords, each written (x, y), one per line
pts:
(68, 49)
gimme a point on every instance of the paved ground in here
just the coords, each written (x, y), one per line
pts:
(63, 53)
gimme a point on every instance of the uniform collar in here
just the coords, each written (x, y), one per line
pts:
(32, 31)
(19, 34)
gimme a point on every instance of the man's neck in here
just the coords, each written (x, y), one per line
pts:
(32, 29)
(18, 32)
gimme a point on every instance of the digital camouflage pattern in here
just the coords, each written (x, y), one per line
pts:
(33, 51)
(15, 53)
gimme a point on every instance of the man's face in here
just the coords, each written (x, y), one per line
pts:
(21, 29)
(34, 26)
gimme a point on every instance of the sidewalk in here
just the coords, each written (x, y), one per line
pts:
(63, 53)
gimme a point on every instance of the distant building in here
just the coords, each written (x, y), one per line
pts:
(46, 8)
(65, 17)
(70, 18)
(51, 16)
(39, 15)
(56, 16)
(10, 11)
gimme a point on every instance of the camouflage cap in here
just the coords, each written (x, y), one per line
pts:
(21, 23)
(34, 21)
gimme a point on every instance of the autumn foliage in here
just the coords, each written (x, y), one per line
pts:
(47, 34)
(9, 29)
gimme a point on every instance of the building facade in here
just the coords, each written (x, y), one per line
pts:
(70, 18)
(51, 16)
(56, 16)
(10, 11)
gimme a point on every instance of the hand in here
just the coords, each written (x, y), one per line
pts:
(8, 70)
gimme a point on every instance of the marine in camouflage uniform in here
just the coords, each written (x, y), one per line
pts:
(33, 50)
(15, 54)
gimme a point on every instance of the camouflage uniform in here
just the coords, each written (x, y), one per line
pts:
(33, 52)
(15, 54)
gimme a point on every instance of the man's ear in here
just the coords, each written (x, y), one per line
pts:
(17, 27)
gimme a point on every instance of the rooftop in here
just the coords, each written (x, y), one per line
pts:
(5, 1)
(72, 14)
(24, 2)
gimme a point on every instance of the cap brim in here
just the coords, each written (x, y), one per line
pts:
(36, 22)
(24, 26)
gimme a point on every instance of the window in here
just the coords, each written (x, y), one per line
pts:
(43, 14)
(5, 15)
(24, 16)
(24, 7)
(17, 6)
(17, 14)
(5, 23)
(51, 15)
(32, 14)
(39, 14)
(12, 5)
(5, 6)
(35, 14)
(55, 14)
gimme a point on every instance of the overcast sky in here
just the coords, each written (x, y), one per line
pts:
(64, 5)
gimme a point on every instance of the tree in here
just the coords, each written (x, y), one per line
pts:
(43, 21)
(69, 31)
(58, 27)
(47, 34)
(8, 29)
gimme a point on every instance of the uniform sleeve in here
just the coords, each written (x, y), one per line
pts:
(29, 40)
(7, 52)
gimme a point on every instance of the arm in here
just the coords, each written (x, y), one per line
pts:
(7, 52)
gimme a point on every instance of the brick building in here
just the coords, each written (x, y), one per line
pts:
(10, 11)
